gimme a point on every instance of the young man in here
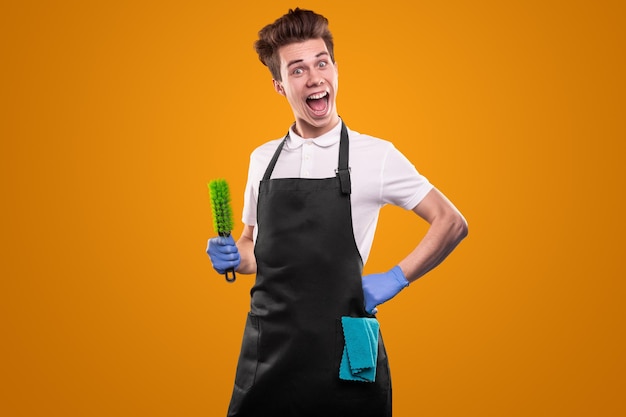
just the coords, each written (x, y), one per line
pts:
(311, 207)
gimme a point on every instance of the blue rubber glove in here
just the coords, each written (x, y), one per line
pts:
(378, 288)
(223, 253)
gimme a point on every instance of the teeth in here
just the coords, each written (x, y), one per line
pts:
(317, 96)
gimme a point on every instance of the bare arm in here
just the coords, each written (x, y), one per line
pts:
(447, 229)
(245, 246)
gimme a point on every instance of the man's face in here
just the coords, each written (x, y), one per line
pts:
(309, 82)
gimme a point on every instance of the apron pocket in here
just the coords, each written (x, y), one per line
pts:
(248, 357)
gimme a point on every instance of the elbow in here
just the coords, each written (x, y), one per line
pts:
(464, 229)
(458, 227)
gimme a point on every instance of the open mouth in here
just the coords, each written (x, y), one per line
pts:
(318, 102)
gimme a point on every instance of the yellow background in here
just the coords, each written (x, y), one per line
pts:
(114, 116)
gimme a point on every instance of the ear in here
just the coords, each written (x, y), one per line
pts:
(278, 87)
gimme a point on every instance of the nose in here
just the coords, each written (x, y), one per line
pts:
(315, 79)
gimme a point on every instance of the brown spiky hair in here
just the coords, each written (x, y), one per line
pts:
(298, 25)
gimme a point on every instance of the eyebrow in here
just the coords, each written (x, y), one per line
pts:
(296, 61)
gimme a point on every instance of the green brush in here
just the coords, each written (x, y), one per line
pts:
(222, 214)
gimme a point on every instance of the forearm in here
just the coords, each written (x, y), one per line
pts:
(245, 246)
(447, 229)
(441, 239)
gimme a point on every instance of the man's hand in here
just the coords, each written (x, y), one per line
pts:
(378, 288)
(223, 253)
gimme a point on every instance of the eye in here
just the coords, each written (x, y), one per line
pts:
(297, 71)
(322, 64)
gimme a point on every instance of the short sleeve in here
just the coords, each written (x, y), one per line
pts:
(403, 185)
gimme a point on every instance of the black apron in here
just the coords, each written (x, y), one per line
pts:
(308, 277)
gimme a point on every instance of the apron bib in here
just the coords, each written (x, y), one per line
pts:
(308, 277)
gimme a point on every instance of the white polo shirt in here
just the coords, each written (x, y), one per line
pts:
(380, 175)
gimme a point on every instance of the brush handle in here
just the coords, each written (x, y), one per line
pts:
(229, 274)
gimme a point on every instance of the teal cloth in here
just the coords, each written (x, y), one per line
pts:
(360, 352)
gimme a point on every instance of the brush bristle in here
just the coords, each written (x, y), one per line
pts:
(220, 206)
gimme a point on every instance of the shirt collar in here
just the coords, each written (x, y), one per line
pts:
(327, 139)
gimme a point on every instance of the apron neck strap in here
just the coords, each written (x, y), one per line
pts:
(272, 164)
(343, 171)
